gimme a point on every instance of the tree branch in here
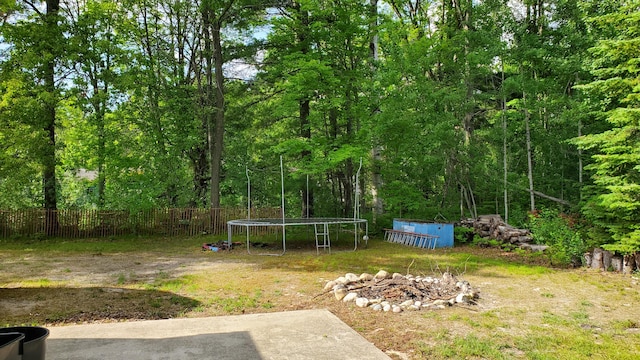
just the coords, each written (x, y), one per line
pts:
(33, 7)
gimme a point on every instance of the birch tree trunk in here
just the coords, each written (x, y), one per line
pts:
(527, 120)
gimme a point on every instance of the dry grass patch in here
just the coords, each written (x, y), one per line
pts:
(527, 310)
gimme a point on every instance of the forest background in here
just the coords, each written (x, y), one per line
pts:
(457, 108)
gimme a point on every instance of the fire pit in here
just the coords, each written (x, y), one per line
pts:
(396, 292)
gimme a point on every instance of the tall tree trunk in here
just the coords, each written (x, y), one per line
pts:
(346, 177)
(580, 165)
(200, 166)
(154, 92)
(49, 153)
(218, 126)
(376, 152)
(102, 179)
(99, 104)
(463, 13)
(505, 169)
(207, 102)
(527, 120)
(305, 132)
(198, 154)
(304, 106)
(211, 102)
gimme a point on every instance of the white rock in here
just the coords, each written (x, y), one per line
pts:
(406, 303)
(341, 280)
(463, 286)
(381, 275)
(439, 303)
(417, 303)
(397, 276)
(396, 309)
(329, 285)
(375, 301)
(338, 286)
(463, 298)
(351, 277)
(386, 307)
(365, 277)
(362, 302)
(413, 308)
(350, 297)
(377, 307)
(340, 293)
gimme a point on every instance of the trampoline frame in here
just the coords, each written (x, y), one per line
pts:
(315, 222)
(284, 222)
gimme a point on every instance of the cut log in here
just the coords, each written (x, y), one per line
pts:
(587, 259)
(616, 263)
(628, 264)
(606, 259)
(596, 259)
(525, 239)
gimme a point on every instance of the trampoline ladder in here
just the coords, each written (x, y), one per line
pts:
(322, 237)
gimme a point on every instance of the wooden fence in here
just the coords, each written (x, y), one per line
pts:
(104, 223)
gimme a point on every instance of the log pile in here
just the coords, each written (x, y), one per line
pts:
(493, 227)
(607, 261)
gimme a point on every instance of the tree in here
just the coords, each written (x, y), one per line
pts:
(37, 47)
(615, 201)
(544, 63)
(97, 56)
(317, 61)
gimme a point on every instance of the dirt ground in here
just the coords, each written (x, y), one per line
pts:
(49, 289)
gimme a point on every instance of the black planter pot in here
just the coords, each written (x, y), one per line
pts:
(33, 344)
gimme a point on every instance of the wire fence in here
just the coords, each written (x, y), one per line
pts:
(106, 223)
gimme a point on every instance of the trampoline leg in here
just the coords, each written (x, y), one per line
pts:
(248, 244)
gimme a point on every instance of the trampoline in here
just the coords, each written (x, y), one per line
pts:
(320, 224)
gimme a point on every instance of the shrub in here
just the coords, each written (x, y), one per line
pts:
(561, 233)
(462, 234)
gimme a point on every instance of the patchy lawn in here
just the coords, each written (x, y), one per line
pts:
(526, 309)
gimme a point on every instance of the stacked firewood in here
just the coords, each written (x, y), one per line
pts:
(493, 227)
(608, 261)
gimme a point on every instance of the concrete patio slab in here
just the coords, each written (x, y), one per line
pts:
(299, 335)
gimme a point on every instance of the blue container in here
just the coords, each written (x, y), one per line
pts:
(443, 231)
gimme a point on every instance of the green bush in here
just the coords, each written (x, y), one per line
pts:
(563, 235)
(462, 234)
(485, 242)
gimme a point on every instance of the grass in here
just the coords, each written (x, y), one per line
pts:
(527, 309)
